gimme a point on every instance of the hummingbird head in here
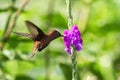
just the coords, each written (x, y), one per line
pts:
(56, 33)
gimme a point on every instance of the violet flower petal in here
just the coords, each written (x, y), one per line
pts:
(72, 38)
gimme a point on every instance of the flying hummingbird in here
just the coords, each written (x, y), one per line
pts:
(41, 40)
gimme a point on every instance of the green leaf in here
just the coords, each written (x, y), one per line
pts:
(23, 77)
(67, 71)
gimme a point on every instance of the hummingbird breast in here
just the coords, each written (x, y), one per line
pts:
(42, 43)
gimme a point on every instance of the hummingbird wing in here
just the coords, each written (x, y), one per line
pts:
(31, 36)
(39, 34)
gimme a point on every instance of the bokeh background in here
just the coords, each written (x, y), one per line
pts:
(98, 21)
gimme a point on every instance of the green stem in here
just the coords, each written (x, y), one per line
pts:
(74, 54)
(10, 15)
(69, 9)
(12, 24)
(47, 64)
(74, 65)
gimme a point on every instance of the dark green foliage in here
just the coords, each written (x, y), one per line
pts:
(99, 59)
(23, 77)
(66, 71)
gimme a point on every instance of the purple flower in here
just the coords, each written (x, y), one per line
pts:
(72, 38)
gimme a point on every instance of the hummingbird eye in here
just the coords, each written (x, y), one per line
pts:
(59, 34)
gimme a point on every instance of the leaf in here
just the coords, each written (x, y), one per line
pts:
(23, 77)
(67, 71)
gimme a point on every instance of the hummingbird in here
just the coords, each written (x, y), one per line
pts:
(41, 40)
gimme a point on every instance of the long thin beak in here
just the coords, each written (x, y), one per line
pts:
(62, 36)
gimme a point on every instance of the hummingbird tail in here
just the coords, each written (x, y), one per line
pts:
(33, 52)
(22, 34)
(31, 36)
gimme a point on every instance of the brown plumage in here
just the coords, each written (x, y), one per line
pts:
(41, 40)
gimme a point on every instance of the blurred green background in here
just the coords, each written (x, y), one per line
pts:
(98, 21)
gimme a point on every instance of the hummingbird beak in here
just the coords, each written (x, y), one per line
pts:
(62, 36)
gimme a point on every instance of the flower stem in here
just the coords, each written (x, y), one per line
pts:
(69, 9)
(74, 54)
(74, 65)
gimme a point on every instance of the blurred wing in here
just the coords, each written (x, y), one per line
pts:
(31, 36)
(34, 29)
